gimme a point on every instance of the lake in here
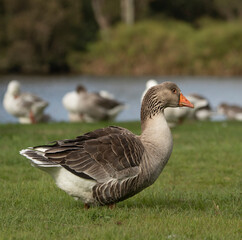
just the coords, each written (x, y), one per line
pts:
(125, 89)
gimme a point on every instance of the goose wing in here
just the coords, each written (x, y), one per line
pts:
(105, 102)
(102, 155)
(28, 101)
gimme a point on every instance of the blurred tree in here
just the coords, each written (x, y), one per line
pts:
(40, 34)
(128, 11)
(2, 24)
(142, 9)
(229, 9)
(108, 12)
(192, 10)
(101, 18)
(183, 9)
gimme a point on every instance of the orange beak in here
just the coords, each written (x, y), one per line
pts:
(183, 102)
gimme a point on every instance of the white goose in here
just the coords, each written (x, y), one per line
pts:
(112, 164)
(27, 107)
(91, 107)
(150, 83)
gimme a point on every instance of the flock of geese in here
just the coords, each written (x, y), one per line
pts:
(111, 164)
(84, 106)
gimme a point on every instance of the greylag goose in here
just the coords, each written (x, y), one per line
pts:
(112, 164)
(91, 107)
(27, 107)
(232, 112)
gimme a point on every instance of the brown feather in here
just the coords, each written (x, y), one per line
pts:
(101, 155)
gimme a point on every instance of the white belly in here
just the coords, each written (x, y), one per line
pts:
(73, 185)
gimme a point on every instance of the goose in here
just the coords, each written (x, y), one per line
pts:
(232, 112)
(175, 116)
(91, 107)
(111, 164)
(27, 107)
(202, 109)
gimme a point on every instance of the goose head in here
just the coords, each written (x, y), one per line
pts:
(157, 98)
(80, 89)
(14, 88)
(221, 109)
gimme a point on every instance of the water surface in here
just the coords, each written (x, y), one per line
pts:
(125, 89)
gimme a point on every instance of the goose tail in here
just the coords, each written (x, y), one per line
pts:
(37, 158)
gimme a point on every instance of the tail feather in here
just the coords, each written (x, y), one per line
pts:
(37, 158)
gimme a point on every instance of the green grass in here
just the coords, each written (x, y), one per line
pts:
(196, 197)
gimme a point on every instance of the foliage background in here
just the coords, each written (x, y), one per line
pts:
(167, 37)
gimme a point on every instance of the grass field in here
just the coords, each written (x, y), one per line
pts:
(196, 197)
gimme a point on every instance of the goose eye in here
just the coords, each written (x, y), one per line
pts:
(173, 90)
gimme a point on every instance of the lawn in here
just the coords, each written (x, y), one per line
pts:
(197, 196)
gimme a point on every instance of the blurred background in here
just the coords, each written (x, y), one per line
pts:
(117, 45)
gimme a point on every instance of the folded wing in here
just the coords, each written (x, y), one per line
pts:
(102, 155)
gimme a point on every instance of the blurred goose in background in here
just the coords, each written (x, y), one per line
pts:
(91, 107)
(231, 112)
(175, 116)
(106, 94)
(27, 107)
(111, 164)
(150, 83)
(202, 109)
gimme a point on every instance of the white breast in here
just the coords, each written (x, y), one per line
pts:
(73, 185)
(71, 102)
